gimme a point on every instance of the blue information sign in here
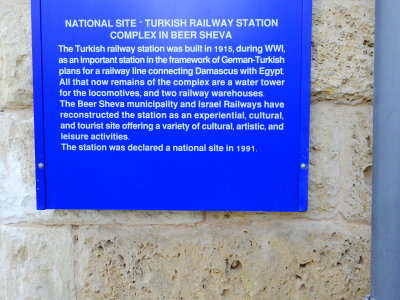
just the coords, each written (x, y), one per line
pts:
(171, 104)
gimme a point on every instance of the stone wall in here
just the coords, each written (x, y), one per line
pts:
(320, 254)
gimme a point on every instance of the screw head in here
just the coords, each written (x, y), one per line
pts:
(303, 166)
(41, 165)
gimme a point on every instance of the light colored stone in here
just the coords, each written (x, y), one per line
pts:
(242, 217)
(343, 50)
(17, 148)
(118, 217)
(37, 263)
(15, 57)
(324, 176)
(16, 163)
(276, 260)
(7, 3)
(357, 168)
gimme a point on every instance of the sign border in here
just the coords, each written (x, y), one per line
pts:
(305, 96)
(38, 103)
(303, 163)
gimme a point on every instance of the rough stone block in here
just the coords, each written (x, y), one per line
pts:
(242, 217)
(15, 57)
(294, 260)
(16, 163)
(357, 175)
(8, 3)
(324, 166)
(17, 144)
(17, 185)
(343, 50)
(36, 263)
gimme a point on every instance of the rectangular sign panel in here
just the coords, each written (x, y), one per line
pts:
(171, 104)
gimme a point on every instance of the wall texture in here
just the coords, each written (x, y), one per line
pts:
(321, 254)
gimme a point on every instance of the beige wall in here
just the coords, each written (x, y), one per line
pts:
(321, 254)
